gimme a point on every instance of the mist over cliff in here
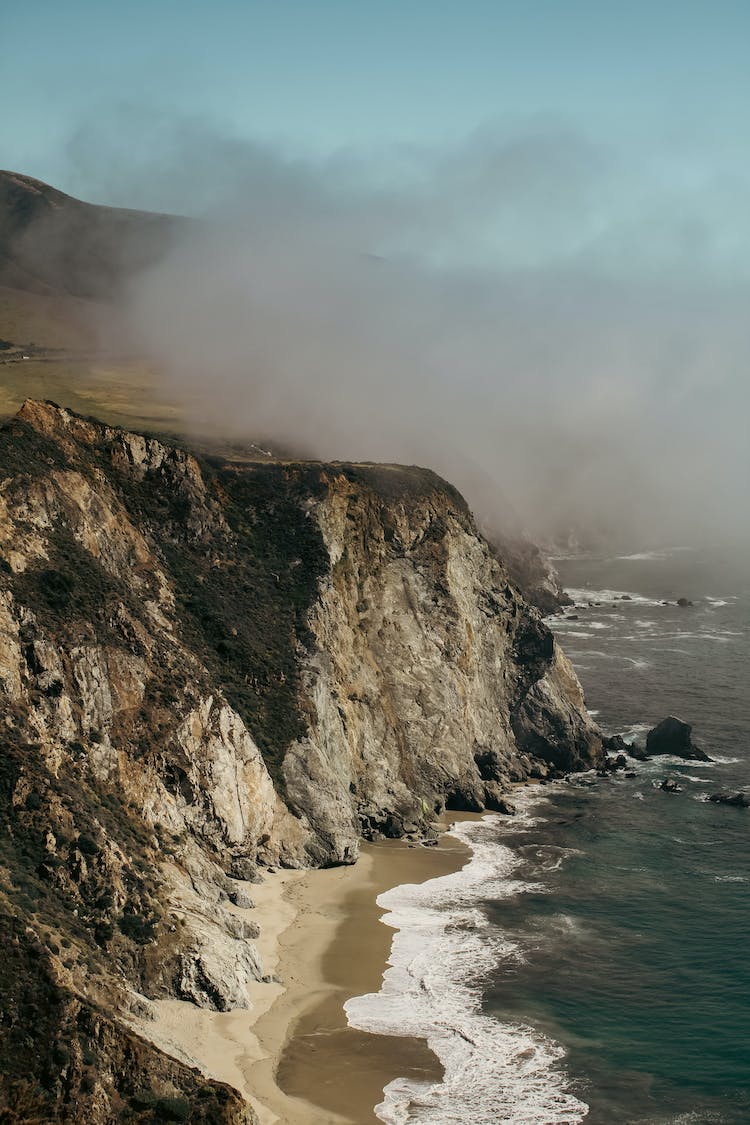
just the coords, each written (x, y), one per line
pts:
(556, 325)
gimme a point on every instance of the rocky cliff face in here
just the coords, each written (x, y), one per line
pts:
(531, 570)
(207, 668)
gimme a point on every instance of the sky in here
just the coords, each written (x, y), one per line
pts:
(325, 75)
(509, 240)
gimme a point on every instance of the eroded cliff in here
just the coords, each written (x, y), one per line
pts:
(209, 667)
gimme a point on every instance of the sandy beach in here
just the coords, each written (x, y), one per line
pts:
(293, 1054)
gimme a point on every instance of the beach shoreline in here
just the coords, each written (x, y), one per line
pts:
(293, 1055)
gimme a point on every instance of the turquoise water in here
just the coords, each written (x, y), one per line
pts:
(634, 948)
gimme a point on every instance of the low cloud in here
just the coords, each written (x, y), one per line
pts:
(558, 326)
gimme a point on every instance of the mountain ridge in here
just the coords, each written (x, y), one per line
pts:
(54, 244)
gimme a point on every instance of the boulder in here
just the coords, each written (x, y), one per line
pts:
(669, 785)
(243, 867)
(672, 736)
(737, 800)
(616, 745)
(241, 899)
(497, 800)
(613, 764)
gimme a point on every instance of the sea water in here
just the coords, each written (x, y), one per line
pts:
(591, 963)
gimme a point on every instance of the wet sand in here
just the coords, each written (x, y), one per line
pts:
(293, 1055)
(326, 1062)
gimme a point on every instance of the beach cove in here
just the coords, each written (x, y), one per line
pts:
(293, 1055)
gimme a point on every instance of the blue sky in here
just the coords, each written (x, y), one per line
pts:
(325, 75)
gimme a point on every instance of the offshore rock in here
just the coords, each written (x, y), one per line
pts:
(736, 800)
(673, 736)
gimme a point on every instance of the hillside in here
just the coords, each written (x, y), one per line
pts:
(53, 244)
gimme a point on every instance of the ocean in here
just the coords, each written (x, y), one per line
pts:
(591, 962)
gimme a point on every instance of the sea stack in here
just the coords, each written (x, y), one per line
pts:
(673, 736)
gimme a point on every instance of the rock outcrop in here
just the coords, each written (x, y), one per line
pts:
(673, 736)
(734, 800)
(209, 667)
(533, 573)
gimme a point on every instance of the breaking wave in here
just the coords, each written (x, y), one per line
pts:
(442, 952)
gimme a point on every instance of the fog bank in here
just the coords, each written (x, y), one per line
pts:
(558, 327)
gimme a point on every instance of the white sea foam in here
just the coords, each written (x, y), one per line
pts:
(579, 556)
(582, 597)
(644, 556)
(443, 949)
(691, 1117)
(632, 733)
(648, 556)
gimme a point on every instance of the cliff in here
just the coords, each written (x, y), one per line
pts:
(531, 570)
(208, 668)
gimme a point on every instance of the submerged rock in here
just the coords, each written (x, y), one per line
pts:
(612, 764)
(669, 785)
(737, 800)
(673, 736)
(617, 745)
